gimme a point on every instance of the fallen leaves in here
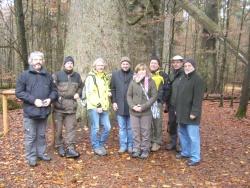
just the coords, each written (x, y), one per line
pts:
(225, 159)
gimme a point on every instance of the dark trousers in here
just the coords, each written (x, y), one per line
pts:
(172, 124)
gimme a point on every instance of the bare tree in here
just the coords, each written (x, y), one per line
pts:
(21, 32)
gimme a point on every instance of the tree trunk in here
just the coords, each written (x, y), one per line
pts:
(212, 27)
(167, 40)
(224, 56)
(209, 41)
(238, 46)
(21, 32)
(245, 92)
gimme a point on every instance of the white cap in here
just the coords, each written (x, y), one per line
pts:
(177, 57)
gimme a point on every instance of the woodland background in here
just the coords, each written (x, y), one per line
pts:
(216, 33)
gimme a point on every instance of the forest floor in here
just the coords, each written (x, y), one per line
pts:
(225, 158)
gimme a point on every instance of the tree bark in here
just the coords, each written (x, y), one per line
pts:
(245, 92)
(21, 32)
(238, 46)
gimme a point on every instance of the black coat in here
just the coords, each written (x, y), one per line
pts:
(119, 86)
(189, 98)
(32, 85)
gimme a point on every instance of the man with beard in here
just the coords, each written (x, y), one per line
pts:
(69, 86)
(36, 89)
(119, 85)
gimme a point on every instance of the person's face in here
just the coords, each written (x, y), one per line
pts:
(125, 66)
(176, 64)
(99, 67)
(188, 68)
(142, 73)
(37, 63)
(69, 65)
(154, 65)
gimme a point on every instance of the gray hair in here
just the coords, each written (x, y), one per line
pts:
(99, 60)
(35, 54)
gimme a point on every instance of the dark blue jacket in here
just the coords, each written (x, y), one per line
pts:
(32, 85)
(119, 86)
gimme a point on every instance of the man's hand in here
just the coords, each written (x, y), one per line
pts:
(46, 102)
(76, 96)
(38, 103)
(115, 106)
(192, 117)
(99, 110)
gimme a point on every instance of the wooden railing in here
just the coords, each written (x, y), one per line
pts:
(5, 94)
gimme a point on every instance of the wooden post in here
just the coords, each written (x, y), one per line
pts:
(5, 115)
(5, 95)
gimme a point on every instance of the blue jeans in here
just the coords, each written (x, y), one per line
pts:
(97, 137)
(189, 136)
(125, 132)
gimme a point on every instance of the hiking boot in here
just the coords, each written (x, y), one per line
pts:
(72, 153)
(193, 163)
(155, 147)
(61, 151)
(130, 150)
(170, 147)
(136, 154)
(104, 150)
(100, 151)
(144, 155)
(44, 158)
(32, 163)
(122, 150)
(179, 156)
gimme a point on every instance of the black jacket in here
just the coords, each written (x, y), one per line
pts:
(33, 85)
(189, 98)
(119, 86)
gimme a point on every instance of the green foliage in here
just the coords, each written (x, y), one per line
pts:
(12, 105)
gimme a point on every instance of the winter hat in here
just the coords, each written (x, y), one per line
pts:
(68, 58)
(125, 58)
(155, 58)
(192, 61)
(177, 57)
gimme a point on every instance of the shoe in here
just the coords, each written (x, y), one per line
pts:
(44, 158)
(61, 151)
(32, 163)
(170, 147)
(72, 153)
(136, 154)
(130, 150)
(192, 163)
(144, 155)
(155, 147)
(122, 150)
(100, 151)
(104, 150)
(179, 156)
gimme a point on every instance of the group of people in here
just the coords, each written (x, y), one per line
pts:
(138, 98)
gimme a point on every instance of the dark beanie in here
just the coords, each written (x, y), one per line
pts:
(155, 58)
(68, 58)
(192, 61)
